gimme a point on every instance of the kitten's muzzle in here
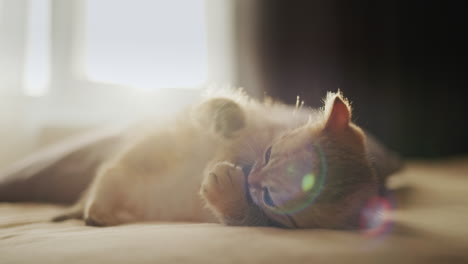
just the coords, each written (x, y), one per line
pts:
(261, 195)
(259, 192)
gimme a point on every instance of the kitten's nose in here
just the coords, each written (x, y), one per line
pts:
(259, 190)
(255, 179)
(255, 185)
(255, 193)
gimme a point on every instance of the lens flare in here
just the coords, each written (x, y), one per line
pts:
(374, 217)
(308, 182)
(308, 188)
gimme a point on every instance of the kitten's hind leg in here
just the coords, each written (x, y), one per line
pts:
(224, 191)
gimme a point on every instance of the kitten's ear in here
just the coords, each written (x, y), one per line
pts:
(339, 112)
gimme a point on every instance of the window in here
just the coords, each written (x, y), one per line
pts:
(136, 43)
(82, 55)
(37, 67)
(146, 43)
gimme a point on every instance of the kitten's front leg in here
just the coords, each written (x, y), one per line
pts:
(224, 190)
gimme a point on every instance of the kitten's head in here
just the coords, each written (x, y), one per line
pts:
(317, 175)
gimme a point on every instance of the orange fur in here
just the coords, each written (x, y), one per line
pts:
(170, 172)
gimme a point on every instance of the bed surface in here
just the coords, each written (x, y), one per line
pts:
(431, 226)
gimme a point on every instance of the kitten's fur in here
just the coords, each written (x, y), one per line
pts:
(241, 162)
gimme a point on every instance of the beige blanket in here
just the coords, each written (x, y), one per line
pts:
(431, 226)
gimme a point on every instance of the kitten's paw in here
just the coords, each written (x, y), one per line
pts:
(224, 116)
(224, 185)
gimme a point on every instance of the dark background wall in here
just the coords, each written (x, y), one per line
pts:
(399, 62)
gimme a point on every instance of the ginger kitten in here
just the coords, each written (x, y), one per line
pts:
(237, 161)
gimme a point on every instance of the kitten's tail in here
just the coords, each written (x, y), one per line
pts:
(60, 173)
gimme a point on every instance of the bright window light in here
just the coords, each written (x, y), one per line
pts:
(37, 71)
(146, 43)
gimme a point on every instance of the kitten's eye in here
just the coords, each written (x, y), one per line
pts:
(267, 197)
(267, 155)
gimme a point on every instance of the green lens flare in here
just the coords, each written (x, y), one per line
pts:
(311, 185)
(308, 182)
